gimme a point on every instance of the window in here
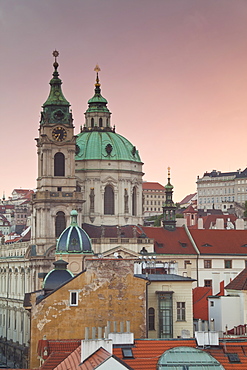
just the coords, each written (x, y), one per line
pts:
(60, 223)
(127, 353)
(100, 122)
(212, 303)
(73, 299)
(180, 311)
(207, 264)
(59, 164)
(228, 264)
(134, 205)
(233, 358)
(208, 283)
(151, 318)
(92, 122)
(165, 315)
(109, 200)
(186, 262)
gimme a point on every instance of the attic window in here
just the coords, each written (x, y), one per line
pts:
(206, 245)
(160, 245)
(244, 245)
(233, 358)
(127, 353)
(184, 245)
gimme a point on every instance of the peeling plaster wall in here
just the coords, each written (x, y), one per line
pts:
(107, 291)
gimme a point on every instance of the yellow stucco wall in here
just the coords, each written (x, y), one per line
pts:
(182, 292)
(107, 290)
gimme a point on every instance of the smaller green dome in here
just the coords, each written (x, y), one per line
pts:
(73, 239)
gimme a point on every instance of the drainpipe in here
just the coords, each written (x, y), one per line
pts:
(196, 249)
(147, 317)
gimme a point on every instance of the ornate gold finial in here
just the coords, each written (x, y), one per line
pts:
(97, 70)
(169, 169)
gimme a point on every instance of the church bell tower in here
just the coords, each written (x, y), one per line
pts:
(57, 191)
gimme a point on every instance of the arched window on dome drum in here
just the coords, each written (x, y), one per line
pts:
(92, 122)
(134, 202)
(59, 164)
(109, 200)
(100, 122)
(151, 318)
(60, 223)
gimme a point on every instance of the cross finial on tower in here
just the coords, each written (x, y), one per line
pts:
(55, 54)
(97, 70)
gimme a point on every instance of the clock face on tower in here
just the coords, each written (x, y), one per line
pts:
(59, 133)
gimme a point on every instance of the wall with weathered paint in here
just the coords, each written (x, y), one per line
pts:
(107, 291)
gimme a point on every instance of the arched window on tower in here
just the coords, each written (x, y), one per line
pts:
(92, 122)
(134, 202)
(100, 122)
(60, 223)
(109, 200)
(59, 164)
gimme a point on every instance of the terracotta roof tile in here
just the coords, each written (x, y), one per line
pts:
(239, 282)
(146, 352)
(187, 198)
(170, 242)
(152, 186)
(223, 242)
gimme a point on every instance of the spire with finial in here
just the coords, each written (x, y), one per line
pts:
(169, 208)
(97, 114)
(56, 107)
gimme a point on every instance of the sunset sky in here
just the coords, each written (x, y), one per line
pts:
(174, 73)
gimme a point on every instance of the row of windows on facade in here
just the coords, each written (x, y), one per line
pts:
(208, 264)
(220, 200)
(154, 202)
(221, 191)
(155, 209)
(223, 183)
(12, 317)
(154, 196)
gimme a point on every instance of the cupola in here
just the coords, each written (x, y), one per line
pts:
(74, 239)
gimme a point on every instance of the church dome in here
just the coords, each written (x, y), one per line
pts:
(74, 239)
(106, 145)
(58, 276)
(98, 139)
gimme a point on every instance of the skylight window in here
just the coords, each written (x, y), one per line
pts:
(127, 353)
(206, 245)
(233, 357)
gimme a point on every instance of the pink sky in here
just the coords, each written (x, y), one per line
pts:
(173, 71)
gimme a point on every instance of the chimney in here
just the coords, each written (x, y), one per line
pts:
(200, 223)
(239, 224)
(219, 225)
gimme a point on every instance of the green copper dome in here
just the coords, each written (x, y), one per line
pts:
(106, 145)
(73, 239)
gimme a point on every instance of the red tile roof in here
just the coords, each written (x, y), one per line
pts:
(170, 242)
(239, 282)
(187, 198)
(225, 242)
(152, 186)
(190, 209)
(200, 302)
(146, 352)
(72, 361)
